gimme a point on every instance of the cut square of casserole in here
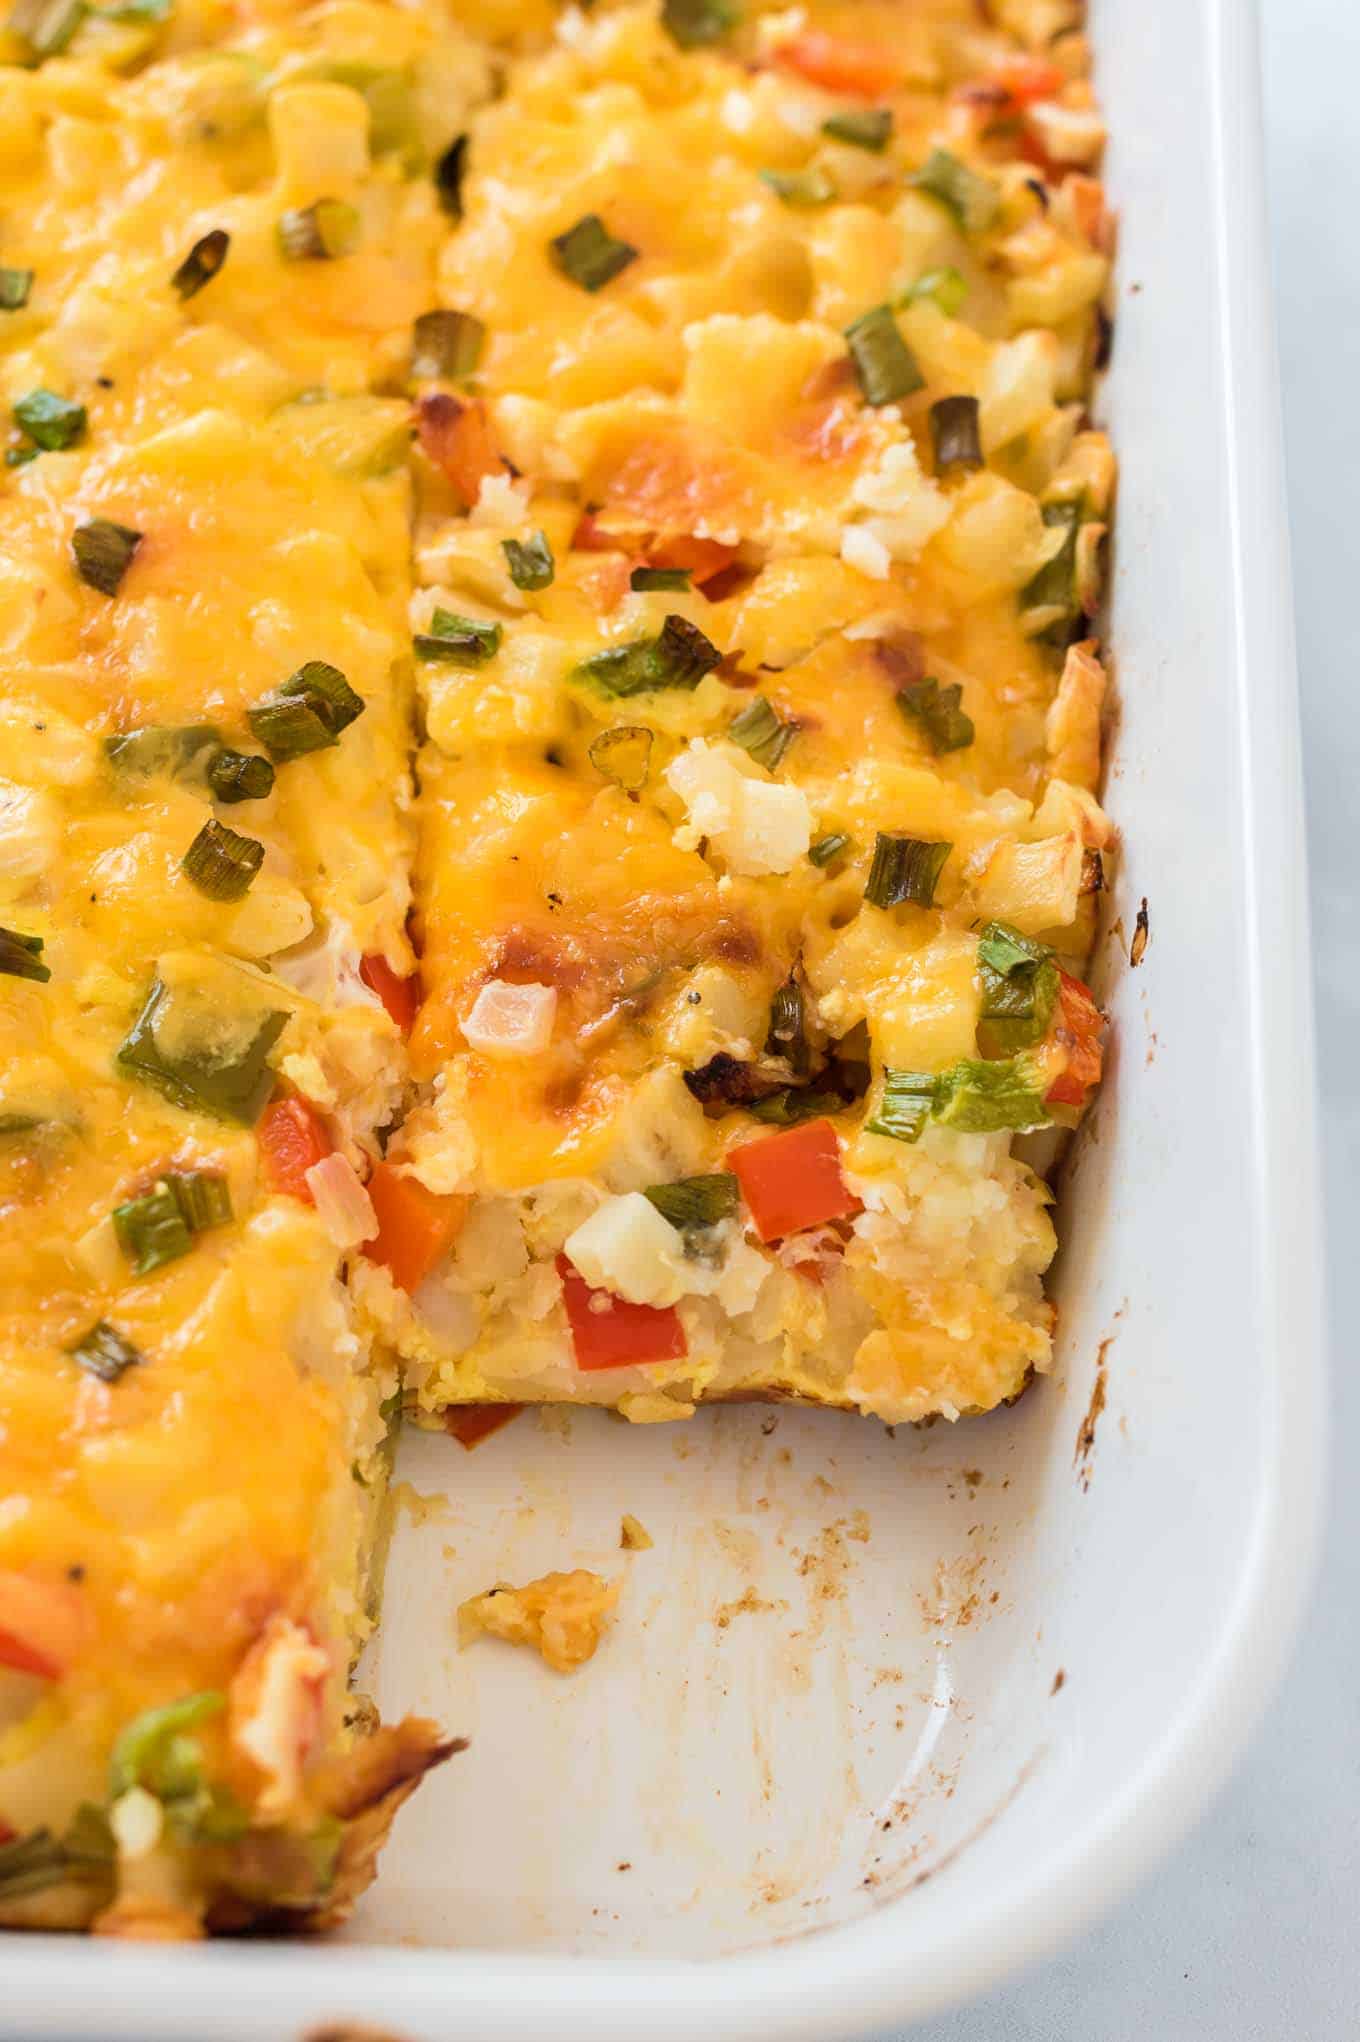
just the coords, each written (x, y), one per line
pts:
(758, 842)
(204, 851)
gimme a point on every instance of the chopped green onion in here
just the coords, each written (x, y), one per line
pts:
(21, 957)
(759, 731)
(15, 285)
(904, 1108)
(828, 847)
(954, 433)
(1019, 989)
(152, 1230)
(695, 1201)
(867, 127)
(986, 1098)
(1054, 587)
(810, 187)
(321, 232)
(787, 1034)
(884, 364)
(589, 254)
(448, 177)
(695, 23)
(973, 199)
(904, 869)
(51, 422)
(623, 755)
(47, 26)
(792, 1104)
(103, 1352)
(103, 553)
(170, 748)
(458, 641)
(137, 10)
(155, 1751)
(221, 862)
(19, 457)
(230, 1086)
(204, 1198)
(239, 776)
(446, 344)
(306, 712)
(30, 1863)
(530, 561)
(936, 712)
(945, 287)
(678, 658)
(202, 263)
(645, 580)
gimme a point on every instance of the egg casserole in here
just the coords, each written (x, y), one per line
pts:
(547, 819)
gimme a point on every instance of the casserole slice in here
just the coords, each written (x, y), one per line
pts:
(760, 521)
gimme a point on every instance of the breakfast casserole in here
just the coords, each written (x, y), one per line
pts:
(548, 821)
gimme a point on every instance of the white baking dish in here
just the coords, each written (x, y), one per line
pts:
(867, 1791)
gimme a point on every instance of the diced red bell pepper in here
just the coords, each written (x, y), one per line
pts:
(400, 996)
(469, 1424)
(1078, 1032)
(1026, 79)
(455, 433)
(793, 1180)
(43, 1624)
(416, 1226)
(292, 1136)
(608, 1332)
(862, 70)
(701, 559)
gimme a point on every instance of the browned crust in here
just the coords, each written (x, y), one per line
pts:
(365, 1789)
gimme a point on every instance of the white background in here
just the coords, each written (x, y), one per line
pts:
(1251, 1932)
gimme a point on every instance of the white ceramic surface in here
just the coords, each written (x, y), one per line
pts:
(744, 1771)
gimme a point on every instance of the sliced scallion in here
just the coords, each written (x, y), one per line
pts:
(175, 749)
(954, 433)
(1020, 984)
(448, 177)
(447, 344)
(936, 713)
(103, 553)
(204, 1198)
(695, 1201)
(21, 957)
(794, 1103)
(884, 364)
(19, 457)
(647, 580)
(904, 1107)
(867, 127)
(623, 755)
(678, 658)
(944, 287)
(104, 1352)
(229, 1085)
(47, 26)
(589, 254)
(693, 24)
(904, 869)
(51, 422)
(811, 187)
(762, 733)
(787, 1034)
(239, 776)
(1054, 586)
(458, 641)
(221, 862)
(202, 263)
(828, 847)
(973, 199)
(15, 286)
(530, 561)
(978, 1097)
(155, 1749)
(306, 712)
(321, 232)
(152, 1229)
